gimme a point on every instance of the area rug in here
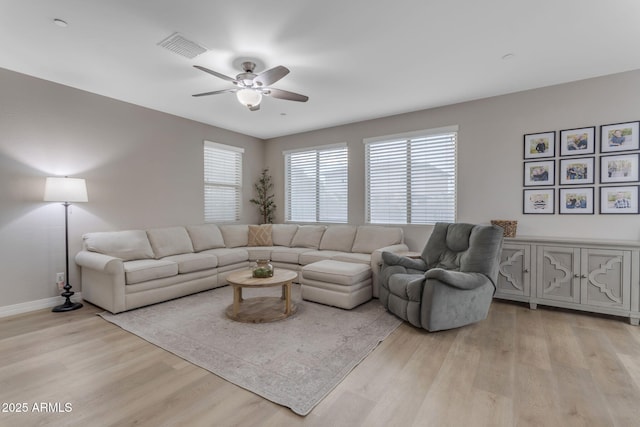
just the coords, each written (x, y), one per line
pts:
(294, 362)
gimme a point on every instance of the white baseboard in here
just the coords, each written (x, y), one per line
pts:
(25, 307)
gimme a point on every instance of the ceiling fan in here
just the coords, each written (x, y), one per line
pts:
(250, 87)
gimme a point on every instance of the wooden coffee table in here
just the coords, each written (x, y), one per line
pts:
(261, 309)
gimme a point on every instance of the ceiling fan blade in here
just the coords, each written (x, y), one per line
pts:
(215, 73)
(216, 92)
(285, 94)
(271, 76)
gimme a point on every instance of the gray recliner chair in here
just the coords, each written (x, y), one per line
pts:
(453, 282)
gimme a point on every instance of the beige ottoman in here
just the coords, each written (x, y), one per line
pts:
(336, 283)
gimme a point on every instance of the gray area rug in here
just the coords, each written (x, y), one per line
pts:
(294, 362)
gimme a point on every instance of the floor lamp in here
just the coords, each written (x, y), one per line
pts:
(66, 190)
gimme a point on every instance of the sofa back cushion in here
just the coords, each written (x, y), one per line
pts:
(282, 234)
(338, 238)
(207, 236)
(308, 236)
(260, 235)
(371, 237)
(128, 244)
(169, 241)
(235, 235)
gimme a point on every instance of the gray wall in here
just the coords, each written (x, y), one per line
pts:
(143, 169)
(490, 153)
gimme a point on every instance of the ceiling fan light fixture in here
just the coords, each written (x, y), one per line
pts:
(249, 97)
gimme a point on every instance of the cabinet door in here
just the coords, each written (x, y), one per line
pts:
(558, 276)
(606, 278)
(513, 277)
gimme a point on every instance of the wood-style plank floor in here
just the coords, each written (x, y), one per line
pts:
(519, 367)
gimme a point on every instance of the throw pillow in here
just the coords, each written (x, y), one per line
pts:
(260, 235)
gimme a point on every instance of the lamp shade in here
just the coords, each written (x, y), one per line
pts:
(65, 190)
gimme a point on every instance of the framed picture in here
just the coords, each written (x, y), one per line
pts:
(540, 201)
(577, 142)
(576, 200)
(619, 200)
(577, 171)
(539, 173)
(537, 145)
(620, 168)
(619, 137)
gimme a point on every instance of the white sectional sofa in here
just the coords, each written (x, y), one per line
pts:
(122, 270)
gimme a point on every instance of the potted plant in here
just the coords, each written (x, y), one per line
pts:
(264, 200)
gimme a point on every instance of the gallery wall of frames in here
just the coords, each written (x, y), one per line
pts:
(580, 171)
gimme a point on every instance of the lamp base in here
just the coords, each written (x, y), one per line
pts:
(68, 304)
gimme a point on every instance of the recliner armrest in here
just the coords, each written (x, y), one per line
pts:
(457, 279)
(409, 263)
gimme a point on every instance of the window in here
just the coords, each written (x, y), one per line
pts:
(222, 182)
(316, 184)
(411, 178)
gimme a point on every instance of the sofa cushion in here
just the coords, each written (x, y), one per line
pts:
(229, 256)
(288, 255)
(371, 237)
(207, 236)
(340, 273)
(259, 252)
(235, 235)
(338, 238)
(188, 263)
(127, 245)
(148, 269)
(260, 235)
(308, 236)
(351, 257)
(169, 241)
(314, 256)
(282, 234)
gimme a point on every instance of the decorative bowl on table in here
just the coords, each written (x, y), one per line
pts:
(263, 269)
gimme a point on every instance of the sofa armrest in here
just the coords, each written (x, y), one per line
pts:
(102, 280)
(100, 262)
(457, 279)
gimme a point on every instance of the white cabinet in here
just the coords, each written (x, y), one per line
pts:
(598, 276)
(514, 278)
(557, 265)
(590, 277)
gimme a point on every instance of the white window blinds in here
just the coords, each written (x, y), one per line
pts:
(411, 179)
(222, 182)
(316, 184)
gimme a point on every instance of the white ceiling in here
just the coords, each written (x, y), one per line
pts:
(355, 59)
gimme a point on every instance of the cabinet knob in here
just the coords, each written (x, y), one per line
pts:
(526, 270)
(576, 276)
(584, 276)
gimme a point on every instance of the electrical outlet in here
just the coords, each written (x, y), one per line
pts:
(60, 280)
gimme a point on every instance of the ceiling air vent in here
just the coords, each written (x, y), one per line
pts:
(177, 43)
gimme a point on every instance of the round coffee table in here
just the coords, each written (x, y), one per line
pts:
(261, 309)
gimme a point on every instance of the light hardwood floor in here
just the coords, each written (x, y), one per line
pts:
(520, 367)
